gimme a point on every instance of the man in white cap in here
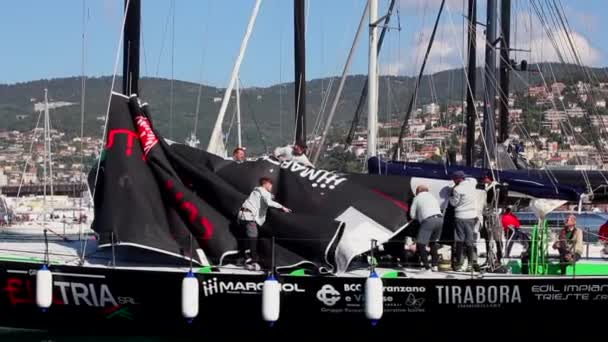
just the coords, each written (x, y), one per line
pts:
(464, 201)
(425, 208)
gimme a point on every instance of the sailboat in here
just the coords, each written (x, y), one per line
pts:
(63, 216)
(163, 258)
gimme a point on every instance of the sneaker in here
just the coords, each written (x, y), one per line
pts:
(435, 269)
(425, 271)
(461, 268)
(254, 266)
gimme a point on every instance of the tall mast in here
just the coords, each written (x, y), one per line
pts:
(363, 96)
(505, 66)
(299, 39)
(471, 80)
(216, 143)
(489, 116)
(130, 68)
(46, 152)
(238, 113)
(372, 97)
(334, 104)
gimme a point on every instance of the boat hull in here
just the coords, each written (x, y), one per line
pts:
(115, 300)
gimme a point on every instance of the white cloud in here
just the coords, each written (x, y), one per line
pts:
(448, 51)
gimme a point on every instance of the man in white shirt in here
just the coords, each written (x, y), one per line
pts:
(252, 215)
(464, 201)
(425, 209)
(293, 152)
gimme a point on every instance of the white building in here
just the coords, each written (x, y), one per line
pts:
(431, 108)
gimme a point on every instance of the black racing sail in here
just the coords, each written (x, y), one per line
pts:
(162, 197)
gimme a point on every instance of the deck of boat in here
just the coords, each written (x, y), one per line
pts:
(69, 252)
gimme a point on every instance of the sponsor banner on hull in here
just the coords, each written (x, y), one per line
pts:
(146, 297)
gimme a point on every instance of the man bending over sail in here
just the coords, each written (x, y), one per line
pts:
(295, 152)
(425, 209)
(252, 215)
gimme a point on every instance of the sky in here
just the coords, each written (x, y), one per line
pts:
(199, 40)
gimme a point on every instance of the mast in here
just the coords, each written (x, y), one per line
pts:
(372, 98)
(489, 117)
(299, 39)
(505, 66)
(216, 144)
(45, 157)
(238, 113)
(363, 96)
(130, 69)
(410, 106)
(471, 80)
(334, 104)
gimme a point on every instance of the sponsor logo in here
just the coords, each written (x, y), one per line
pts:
(86, 294)
(213, 286)
(66, 293)
(146, 134)
(328, 295)
(320, 178)
(578, 292)
(391, 289)
(415, 289)
(119, 312)
(479, 296)
(412, 302)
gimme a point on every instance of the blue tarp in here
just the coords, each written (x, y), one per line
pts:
(535, 183)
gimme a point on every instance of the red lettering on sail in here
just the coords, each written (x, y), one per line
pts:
(192, 211)
(130, 136)
(146, 134)
(208, 228)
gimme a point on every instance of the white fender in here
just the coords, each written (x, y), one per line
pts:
(190, 294)
(271, 299)
(374, 300)
(44, 288)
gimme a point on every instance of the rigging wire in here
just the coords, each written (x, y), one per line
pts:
(172, 85)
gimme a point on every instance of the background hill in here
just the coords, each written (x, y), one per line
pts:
(267, 112)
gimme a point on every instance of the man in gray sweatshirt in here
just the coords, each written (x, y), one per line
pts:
(464, 201)
(252, 215)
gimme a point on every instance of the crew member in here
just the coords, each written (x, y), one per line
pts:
(238, 155)
(511, 227)
(462, 198)
(425, 208)
(294, 152)
(252, 215)
(569, 244)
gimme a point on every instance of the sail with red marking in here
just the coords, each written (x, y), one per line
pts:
(168, 198)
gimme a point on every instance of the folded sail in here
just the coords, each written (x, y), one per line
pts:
(166, 197)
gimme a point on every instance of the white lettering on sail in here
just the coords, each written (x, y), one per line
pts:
(146, 134)
(319, 178)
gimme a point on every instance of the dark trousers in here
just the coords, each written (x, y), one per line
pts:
(514, 235)
(429, 233)
(465, 240)
(249, 229)
(564, 254)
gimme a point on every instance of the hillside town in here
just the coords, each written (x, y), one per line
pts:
(22, 157)
(560, 126)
